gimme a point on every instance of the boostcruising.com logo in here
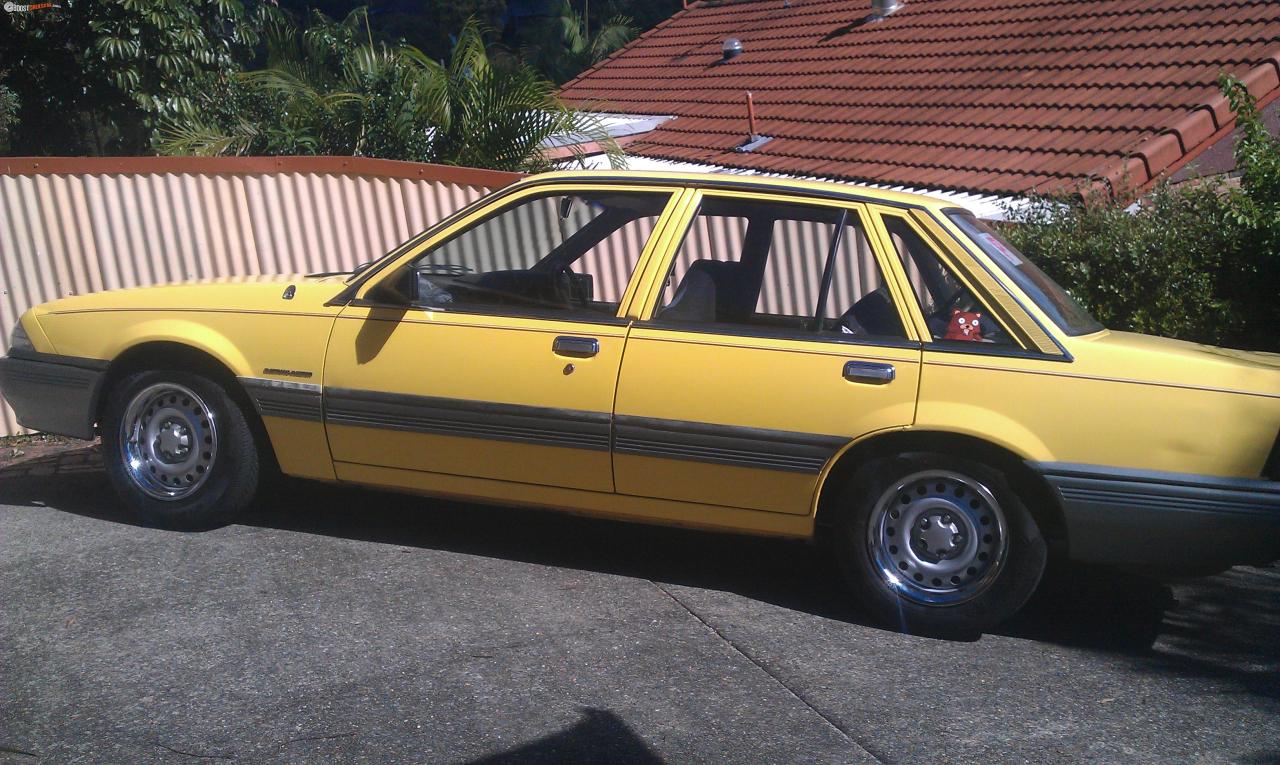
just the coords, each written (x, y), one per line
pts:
(28, 7)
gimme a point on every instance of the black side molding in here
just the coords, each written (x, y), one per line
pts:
(469, 419)
(284, 398)
(598, 431)
(725, 444)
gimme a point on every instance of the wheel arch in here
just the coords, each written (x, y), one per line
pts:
(179, 356)
(173, 343)
(1039, 497)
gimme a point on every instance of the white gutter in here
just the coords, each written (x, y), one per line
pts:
(985, 206)
(616, 125)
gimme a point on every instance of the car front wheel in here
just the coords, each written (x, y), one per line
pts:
(179, 450)
(937, 545)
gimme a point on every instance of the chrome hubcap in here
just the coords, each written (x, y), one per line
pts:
(168, 441)
(937, 538)
(174, 441)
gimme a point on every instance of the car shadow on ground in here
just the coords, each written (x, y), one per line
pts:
(600, 736)
(1221, 627)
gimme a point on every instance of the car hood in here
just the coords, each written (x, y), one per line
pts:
(1128, 355)
(248, 293)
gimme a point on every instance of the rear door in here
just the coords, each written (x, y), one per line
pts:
(768, 341)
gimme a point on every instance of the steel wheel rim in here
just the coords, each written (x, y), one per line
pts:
(938, 538)
(168, 441)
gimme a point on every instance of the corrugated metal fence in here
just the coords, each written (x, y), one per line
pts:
(75, 225)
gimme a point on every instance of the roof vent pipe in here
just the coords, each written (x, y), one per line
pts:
(754, 139)
(883, 8)
(732, 48)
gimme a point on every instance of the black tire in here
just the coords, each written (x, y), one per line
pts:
(191, 490)
(988, 553)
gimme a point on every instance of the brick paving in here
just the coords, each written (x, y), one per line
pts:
(53, 459)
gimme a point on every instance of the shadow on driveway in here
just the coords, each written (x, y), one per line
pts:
(1222, 627)
(599, 737)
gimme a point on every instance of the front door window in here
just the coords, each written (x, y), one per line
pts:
(558, 255)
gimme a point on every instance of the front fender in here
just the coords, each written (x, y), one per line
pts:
(109, 335)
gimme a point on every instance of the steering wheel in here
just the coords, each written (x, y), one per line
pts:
(944, 311)
(444, 269)
(567, 273)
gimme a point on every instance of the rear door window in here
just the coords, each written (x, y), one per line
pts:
(762, 267)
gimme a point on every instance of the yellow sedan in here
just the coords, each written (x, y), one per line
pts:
(877, 371)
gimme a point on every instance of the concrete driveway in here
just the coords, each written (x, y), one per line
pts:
(345, 626)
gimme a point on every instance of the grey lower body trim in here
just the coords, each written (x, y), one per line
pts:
(282, 398)
(1166, 521)
(469, 419)
(724, 444)
(52, 397)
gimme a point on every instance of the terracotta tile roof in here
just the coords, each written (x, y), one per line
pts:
(990, 96)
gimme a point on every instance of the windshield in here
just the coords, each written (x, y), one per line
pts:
(374, 266)
(1048, 294)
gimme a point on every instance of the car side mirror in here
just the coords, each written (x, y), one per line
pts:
(400, 287)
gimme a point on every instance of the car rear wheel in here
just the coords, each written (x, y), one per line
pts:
(938, 545)
(179, 450)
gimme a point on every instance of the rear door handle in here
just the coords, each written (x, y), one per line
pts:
(577, 347)
(869, 372)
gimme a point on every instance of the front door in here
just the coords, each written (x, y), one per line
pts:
(504, 361)
(770, 341)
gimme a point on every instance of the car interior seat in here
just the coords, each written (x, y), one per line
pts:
(874, 314)
(712, 291)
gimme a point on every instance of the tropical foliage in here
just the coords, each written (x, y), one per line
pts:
(105, 76)
(8, 115)
(159, 53)
(327, 89)
(528, 27)
(99, 77)
(1197, 261)
(563, 46)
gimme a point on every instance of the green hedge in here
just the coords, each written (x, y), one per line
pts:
(1199, 261)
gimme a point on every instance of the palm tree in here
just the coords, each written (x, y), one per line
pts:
(565, 47)
(327, 91)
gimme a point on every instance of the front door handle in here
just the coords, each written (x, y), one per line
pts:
(869, 372)
(577, 347)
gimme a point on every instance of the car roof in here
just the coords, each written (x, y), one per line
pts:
(824, 189)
